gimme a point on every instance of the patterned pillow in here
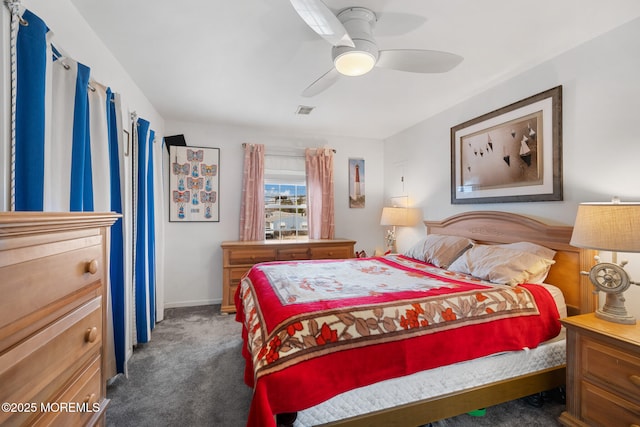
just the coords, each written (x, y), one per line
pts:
(439, 250)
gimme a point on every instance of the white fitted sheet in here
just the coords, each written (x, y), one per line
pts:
(442, 380)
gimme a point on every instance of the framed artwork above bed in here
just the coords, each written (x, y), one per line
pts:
(513, 154)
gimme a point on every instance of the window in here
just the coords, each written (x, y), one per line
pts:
(285, 211)
(285, 194)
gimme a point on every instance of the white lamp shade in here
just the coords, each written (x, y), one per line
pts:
(611, 227)
(403, 217)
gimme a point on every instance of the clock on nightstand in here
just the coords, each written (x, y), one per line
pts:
(603, 373)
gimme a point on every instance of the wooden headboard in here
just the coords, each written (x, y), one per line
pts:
(494, 227)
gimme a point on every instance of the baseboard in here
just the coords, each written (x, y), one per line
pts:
(192, 303)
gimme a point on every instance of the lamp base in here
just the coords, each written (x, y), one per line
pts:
(390, 240)
(613, 280)
(625, 320)
(614, 311)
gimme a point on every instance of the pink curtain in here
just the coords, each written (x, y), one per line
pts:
(320, 206)
(252, 209)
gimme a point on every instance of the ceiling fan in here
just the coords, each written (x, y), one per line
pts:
(355, 51)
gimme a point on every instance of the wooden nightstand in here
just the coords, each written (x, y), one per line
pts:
(603, 373)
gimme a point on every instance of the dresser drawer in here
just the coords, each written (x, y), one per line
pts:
(232, 295)
(251, 256)
(40, 367)
(39, 290)
(600, 407)
(293, 254)
(83, 395)
(232, 277)
(618, 369)
(331, 252)
(236, 274)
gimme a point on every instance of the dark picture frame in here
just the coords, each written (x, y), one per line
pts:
(513, 154)
(194, 184)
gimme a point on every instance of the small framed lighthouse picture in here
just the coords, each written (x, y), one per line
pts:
(356, 183)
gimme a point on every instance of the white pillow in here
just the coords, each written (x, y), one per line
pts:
(500, 265)
(439, 250)
(539, 250)
(534, 248)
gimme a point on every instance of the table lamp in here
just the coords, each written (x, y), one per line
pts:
(398, 217)
(613, 227)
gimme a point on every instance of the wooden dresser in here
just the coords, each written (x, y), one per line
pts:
(239, 257)
(603, 373)
(52, 318)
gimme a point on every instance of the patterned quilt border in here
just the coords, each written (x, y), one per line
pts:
(315, 334)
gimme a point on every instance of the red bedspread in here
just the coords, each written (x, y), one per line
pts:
(314, 329)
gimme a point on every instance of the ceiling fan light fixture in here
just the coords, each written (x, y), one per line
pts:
(355, 61)
(355, 51)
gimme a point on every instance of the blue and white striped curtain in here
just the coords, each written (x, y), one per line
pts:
(33, 45)
(69, 157)
(62, 147)
(118, 240)
(144, 236)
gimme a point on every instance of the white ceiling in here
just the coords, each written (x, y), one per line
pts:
(245, 62)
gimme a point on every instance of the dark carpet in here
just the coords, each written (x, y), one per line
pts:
(191, 374)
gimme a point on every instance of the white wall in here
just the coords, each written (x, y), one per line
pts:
(601, 142)
(73, 34)
(193, 268)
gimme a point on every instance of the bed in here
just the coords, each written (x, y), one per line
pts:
(267, 369)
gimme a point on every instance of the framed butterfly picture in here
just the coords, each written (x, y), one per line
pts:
(194, 184)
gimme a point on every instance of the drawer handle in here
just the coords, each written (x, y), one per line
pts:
(330, 253)
(91, 334)
(92, 267)
(635, 379)
(89, 400)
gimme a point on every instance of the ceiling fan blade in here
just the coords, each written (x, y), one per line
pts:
(321, 20)
(326, 80)
(418, 61)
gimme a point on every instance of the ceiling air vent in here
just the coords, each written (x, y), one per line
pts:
(304, 109)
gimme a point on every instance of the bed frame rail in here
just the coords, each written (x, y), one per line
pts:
(450, 405)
